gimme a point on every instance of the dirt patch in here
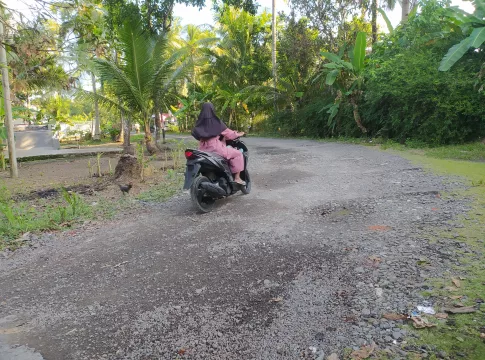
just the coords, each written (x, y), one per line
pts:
(273, 150)
(83, 189)
(282, 178)
(128, 167)
(336, 211)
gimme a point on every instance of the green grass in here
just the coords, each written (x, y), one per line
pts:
(91, 142)
(18, 217)
(171, 184)
(470, 152)
(136, 138)
(463, 336)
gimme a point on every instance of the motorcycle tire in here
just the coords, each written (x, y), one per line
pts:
(203, 203)
(247, 188)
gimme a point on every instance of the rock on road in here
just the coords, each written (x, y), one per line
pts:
(327, 241)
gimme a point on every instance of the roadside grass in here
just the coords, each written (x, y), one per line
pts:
(66, 211)
(19, 217)
(459, 336)
(70, 210)
(471, 152)
(171, 184)
(102, 141)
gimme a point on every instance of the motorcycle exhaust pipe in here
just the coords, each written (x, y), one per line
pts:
(213, 189)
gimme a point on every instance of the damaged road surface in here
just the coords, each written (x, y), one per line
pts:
(330, 238)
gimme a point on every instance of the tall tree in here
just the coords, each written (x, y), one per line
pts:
(388, 4)
(84, 27)
(143, 78)
(6, 103)
(327, 16)
(241, 59)
(405, 4)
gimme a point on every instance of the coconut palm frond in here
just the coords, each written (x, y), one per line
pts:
(103, 101)
(121, 84)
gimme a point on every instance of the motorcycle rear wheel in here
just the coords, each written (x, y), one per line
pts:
(203, 203)
(246, 189)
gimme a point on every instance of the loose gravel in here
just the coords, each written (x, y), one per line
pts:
(332, 237)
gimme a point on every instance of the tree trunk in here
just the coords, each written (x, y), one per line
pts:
(97, 125)
(357, 118)
(122, 127)
(273, 48)
(148, 138)
(405, 10)
(14, 172)
(126, 142)
(374, 20)
(127, 147)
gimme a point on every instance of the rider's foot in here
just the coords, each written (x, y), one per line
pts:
(240, 182)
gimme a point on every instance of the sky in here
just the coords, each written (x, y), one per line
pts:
(191, 15)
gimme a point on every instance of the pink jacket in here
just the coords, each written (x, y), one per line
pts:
(235, 157)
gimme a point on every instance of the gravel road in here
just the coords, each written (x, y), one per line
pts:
(331, 237)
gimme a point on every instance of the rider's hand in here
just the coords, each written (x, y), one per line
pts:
(240, 134)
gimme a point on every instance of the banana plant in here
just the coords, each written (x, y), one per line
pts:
(346, 78)
(473, 24)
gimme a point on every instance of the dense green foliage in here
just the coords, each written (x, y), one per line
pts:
(335, 75)
(404, 96)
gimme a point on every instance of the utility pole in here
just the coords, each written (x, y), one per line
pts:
(273, 50)
(12, 157)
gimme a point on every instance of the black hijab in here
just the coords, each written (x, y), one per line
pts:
(208, 125)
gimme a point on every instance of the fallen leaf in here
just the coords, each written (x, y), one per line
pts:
(181, 351)
(441, 316)
(434, 209)
(456, 297)
(456, 282)
(422, 262)
(278, 299)
(395, 316)
(363, 353)
(421, 322)
(461, 310)
(375, 258)
(379, 228)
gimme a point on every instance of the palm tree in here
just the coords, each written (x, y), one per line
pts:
(239, 61)
(193, 46)
(142, 79)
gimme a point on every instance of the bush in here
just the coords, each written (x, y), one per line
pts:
(113, 133)
(406, 97)
(173, 128)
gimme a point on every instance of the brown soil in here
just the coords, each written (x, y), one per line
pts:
(44, 178)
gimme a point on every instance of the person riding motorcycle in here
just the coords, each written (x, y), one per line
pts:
(212, 134)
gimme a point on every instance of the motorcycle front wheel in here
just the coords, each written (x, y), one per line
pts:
(198, 195)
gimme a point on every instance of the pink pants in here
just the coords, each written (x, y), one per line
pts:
(234, 156)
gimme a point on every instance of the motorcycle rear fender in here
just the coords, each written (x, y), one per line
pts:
(191, 171)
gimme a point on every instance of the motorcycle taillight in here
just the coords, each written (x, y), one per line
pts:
(189, 154)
